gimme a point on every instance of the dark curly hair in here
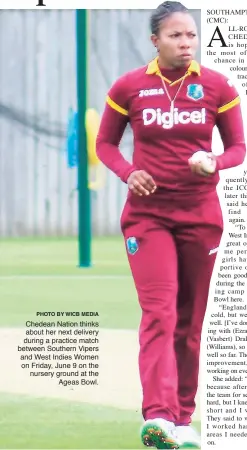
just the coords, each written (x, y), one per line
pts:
(163, 11)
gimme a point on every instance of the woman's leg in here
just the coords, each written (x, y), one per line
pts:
(197, 249)
(153, 261)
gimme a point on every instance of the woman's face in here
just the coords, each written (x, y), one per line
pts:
(177, 40)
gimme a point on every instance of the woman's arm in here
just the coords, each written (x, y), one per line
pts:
(230, 125)
(113, 123)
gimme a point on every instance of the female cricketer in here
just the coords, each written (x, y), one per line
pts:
(172, 221)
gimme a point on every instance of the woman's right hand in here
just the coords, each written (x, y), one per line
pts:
(141, 183)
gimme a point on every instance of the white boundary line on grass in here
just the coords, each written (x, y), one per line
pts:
(64, 277)
(41, 262)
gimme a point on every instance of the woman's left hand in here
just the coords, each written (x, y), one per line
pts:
(196, 166)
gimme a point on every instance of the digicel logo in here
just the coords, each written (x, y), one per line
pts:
(168, 119)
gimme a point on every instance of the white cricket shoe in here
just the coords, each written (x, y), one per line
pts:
(159, 433)
(188, 437)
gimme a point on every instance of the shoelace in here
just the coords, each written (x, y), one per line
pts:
(173, 431)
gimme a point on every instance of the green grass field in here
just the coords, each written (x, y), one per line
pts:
(42, 275)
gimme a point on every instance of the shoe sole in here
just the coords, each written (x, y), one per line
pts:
(154, 436)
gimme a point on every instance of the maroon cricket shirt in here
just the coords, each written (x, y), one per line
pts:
(165, 138)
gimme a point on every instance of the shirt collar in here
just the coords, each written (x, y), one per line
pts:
(153, 67)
